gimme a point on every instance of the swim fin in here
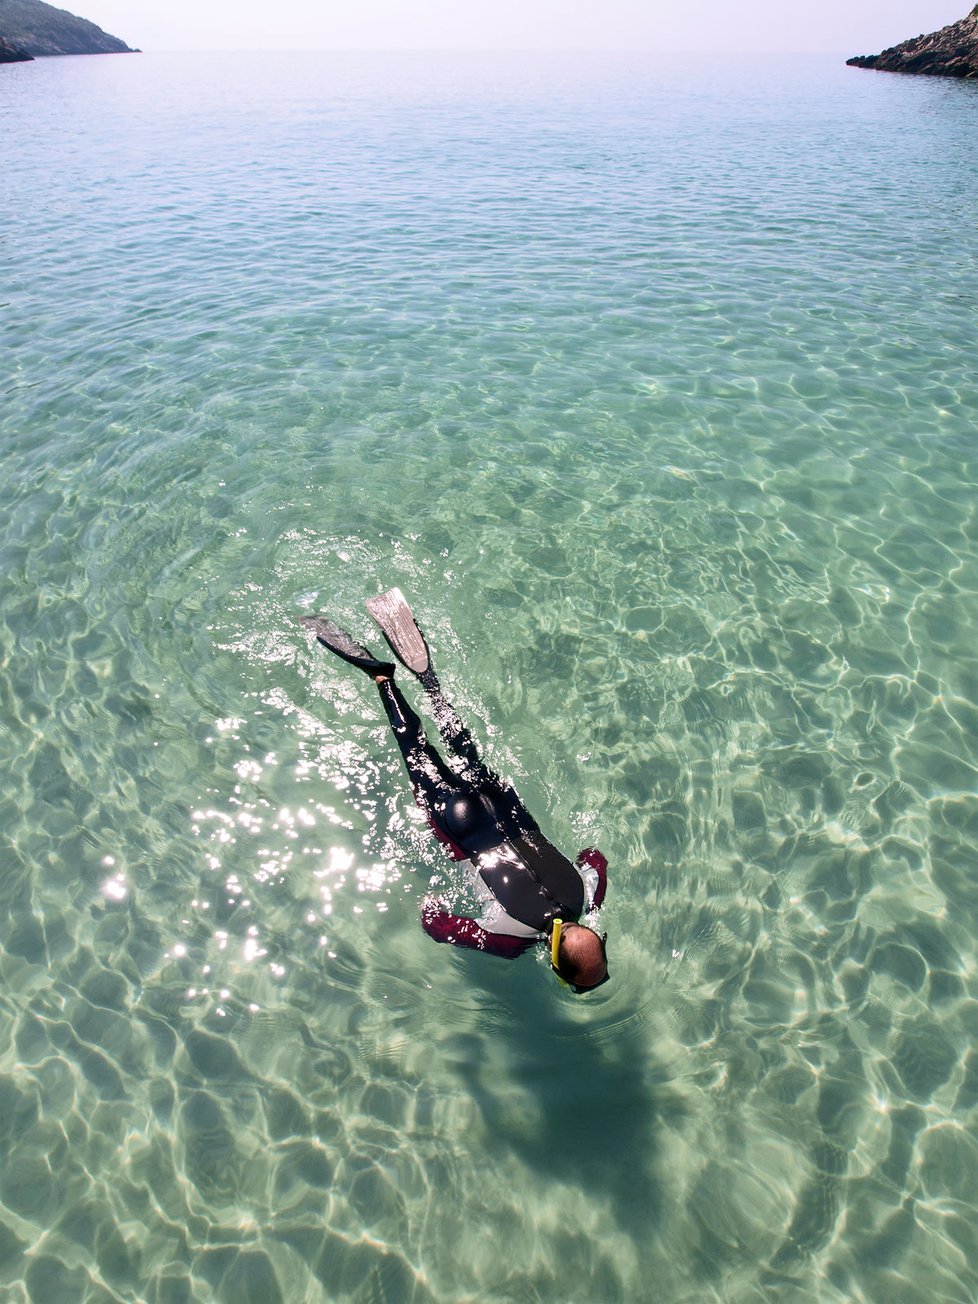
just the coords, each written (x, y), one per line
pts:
(400, 629)
(340, 642)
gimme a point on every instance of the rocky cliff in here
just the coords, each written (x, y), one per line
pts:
(33, 28)
(10, 54)
(951, 52)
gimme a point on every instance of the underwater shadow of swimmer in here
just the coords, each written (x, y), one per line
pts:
(582, 1109)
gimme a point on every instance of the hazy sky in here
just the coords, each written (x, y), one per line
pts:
(837, 26)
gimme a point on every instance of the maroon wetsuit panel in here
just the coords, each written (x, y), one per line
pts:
(442, 926)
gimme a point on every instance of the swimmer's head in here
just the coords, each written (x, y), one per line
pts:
(577, 955)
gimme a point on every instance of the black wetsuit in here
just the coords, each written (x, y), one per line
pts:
(473, 810)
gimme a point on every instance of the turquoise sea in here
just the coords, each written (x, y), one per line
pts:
(652, 382)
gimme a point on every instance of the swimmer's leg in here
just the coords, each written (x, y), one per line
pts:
(454, 806)
(434, 783)
(453, 731)
(407, 641)
(511, 816)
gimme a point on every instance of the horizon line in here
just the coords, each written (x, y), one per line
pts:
(457, 49)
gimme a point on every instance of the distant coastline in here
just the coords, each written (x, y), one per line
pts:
(951, 52)
(31, 29)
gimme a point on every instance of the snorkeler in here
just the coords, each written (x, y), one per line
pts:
(532, 893)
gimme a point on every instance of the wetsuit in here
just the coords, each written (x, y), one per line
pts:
(524, 880)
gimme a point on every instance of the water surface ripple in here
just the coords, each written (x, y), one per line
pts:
(653, 384)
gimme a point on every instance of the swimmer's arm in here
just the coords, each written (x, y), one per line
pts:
(593, 859)
(442, 926)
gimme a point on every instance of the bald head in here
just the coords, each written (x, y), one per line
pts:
(582, 957)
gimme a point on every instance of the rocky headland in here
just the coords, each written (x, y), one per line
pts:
(951, 52)
(31, 29)
(10, 54)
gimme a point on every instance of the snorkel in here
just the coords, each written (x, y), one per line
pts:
(555, 949)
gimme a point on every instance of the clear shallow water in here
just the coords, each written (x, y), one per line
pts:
(653, 385)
